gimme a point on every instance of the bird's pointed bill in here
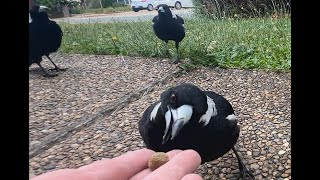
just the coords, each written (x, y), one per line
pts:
(160, 9)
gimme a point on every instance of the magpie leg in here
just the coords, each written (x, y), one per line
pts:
(167, 49)
(177, 60)
(243, 169)
(56, 68)
(46, 74)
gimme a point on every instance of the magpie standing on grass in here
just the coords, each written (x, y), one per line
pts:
(186, 117)
(168, 26)
(44, 38)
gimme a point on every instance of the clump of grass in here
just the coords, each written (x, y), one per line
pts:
(258, 43)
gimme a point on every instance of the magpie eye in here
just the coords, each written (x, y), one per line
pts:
(173, 98)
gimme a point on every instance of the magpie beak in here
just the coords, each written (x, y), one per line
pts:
(175, 120)
(43, 8)
(160, 9)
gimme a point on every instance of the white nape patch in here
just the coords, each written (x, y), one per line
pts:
(211, 111)
(231, 117)
(154, 111)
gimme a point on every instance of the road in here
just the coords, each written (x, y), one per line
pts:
(142, 15)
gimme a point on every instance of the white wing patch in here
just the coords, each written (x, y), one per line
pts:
(211, 111)
(231, 117)
(154, 111)
(174, 16)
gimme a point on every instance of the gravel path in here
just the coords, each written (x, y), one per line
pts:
(91, 82)
(261, 100)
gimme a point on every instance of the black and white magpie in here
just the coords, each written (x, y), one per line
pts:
(168, 26)
(186, 117)
(45, 37)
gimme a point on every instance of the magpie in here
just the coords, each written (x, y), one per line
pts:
(186, 117)
(168, 26)
(45, 37)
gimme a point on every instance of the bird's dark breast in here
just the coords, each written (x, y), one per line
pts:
(54, 37)
(209, 143)
(169, 31)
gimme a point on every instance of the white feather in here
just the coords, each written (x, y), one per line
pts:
(154, 111)
(211, 111)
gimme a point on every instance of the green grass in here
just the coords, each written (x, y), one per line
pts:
(259, 43)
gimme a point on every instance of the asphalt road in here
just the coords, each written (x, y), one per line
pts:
(142, 15)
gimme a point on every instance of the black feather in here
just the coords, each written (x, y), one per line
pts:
(211, 141)
(45, 37)
(169, 27)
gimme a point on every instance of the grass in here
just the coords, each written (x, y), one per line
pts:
(258, 43)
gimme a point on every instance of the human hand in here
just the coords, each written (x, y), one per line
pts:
(134, 166)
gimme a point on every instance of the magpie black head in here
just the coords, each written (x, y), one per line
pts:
(164, 10)
(38, 13)
(178, 105)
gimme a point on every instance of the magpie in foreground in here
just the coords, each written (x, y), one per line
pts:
(44, 38)
(186, 117)
(168, 27)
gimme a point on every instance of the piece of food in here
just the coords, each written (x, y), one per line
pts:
(157, 160)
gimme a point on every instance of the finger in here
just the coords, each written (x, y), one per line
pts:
(58, 174)
(147, 171)
(183, 163)
(95, 165)
(121, 167)
(192, 177)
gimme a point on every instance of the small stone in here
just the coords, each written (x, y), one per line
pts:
(50, 131)
(224, 170)
(288, 171)
(229, 176)
(275, 173)
(281, 152)
(215, 162)
(80, 141)
(272, 150)
(262, 158)
(256, 153)
(35, 143)
(249, 153)
(49, 166)
(74, 146)
(284, 175)
(119, 146)
(251, 161)
(280, 168)
(286, 144)
(264, 169)
(86, 159)
(216, 171)
(254, 166)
